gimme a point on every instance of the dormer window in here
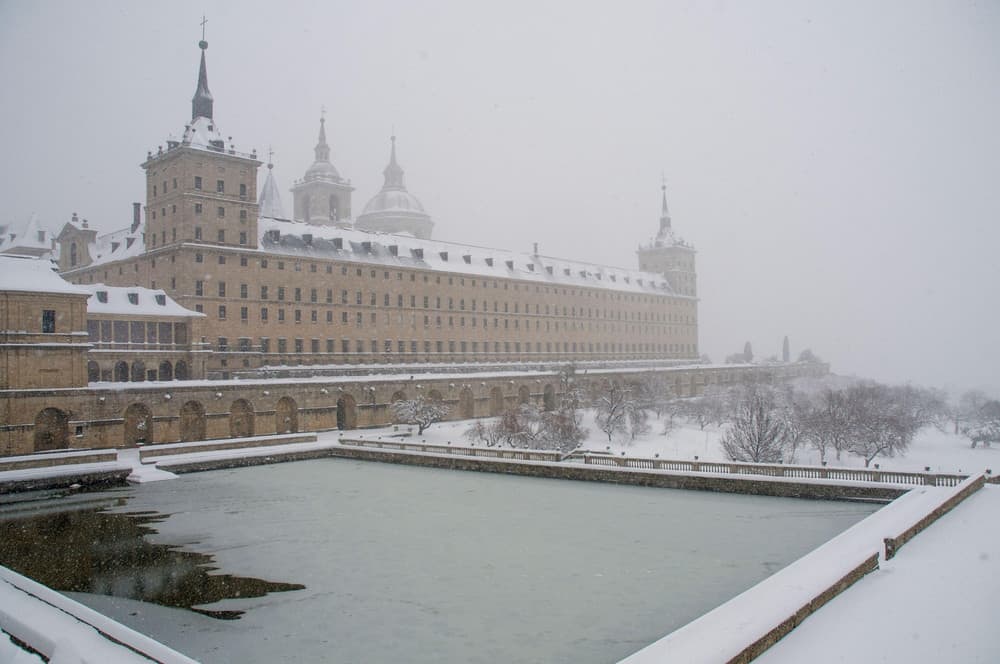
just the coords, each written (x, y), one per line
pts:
(133, 298)
(102, 296)
(161, 299)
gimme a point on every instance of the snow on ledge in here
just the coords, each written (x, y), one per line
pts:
(64, 630)
(723, 633)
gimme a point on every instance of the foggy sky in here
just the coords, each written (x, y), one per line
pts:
(836, 164)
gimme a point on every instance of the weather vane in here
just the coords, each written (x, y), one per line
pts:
(203, 22)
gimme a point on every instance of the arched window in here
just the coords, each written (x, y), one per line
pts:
(72, 254)
(334, 208)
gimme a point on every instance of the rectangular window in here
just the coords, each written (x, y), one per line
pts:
(243, 191)
(298, 345)
(244, 314)
(220, 186)
(243, 239)
(314, 345)
(199, 288)
(282, 345)
(222, 236)
(222, 289)
(223, 344)
(281, 315)
(220, 212)
(197, 182)
(263, 313)
(222, 312)
(244, 291)
(298, 294)
(48, 321)
(281, 293)
(265, 345)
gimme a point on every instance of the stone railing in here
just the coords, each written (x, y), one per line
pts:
(777, 470)
(488, 452)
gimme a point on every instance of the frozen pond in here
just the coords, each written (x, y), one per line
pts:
(410, 564)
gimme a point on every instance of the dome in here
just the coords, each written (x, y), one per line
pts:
(322, 170)
(393, 201)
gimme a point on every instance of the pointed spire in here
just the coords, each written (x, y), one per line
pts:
(201, 104)
(269, 202)
(664, 212)
(322, 149)
(393, 172)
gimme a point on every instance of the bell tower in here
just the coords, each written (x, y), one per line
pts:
(670, 255)
(200, 189)
(322, 196)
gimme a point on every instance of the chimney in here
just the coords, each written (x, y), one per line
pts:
(136, 212)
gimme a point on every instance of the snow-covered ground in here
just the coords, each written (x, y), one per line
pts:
(942, 452)
(934, 602)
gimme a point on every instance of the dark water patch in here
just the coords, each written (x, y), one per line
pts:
(90, 550)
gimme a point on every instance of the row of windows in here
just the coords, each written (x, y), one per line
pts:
(314, 295)
(389, 346)
(265, 263)
(220, 187)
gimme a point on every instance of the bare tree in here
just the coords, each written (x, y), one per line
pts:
(966, 407)
(984, 427)
(756, 431)
(421, 411)
(611, 403)
(879, 421)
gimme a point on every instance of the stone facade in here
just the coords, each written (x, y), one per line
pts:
(292, 293)
(110, 416)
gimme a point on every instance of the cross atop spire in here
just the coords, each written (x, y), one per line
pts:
(664, 212)
(201, 104)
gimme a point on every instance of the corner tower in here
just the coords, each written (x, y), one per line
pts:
(670, 256)
(322, 196)
(199, 189)
(394, 209)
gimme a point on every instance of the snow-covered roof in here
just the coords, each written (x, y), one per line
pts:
(134, 300)
(119, 244)
(33, 275)
(306, 240)
(31, 238)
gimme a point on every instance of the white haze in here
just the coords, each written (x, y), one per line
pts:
(836, 164)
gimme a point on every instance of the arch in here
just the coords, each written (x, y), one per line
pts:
(435, 396)
(121, 372)
(549, 397)
(398, 395)
(181, 370)
(93, 372)
(496, 401)
(523, 395)
(192, 421)
(51, 430)
(138, 371)
(138, 425)
(286, 416)
(347, 412)
(466, 404)
(166, 371)
(241, 419)
(334, 208)
(73, 257)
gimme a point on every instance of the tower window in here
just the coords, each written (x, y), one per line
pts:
(197, 208)
(220, 212)
(48, 321)
(197, 182)
(243, 191)
(197, 232)
(220, 186)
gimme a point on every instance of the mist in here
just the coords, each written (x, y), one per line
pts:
(835, 164)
